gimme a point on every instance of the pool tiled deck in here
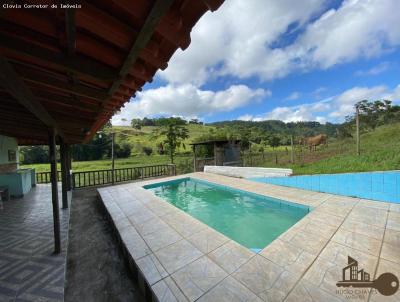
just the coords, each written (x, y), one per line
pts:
(182, 259)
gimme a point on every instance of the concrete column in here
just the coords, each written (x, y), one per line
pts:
(64, 168)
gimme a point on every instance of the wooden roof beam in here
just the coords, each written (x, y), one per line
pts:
(77, 89)
(75, 64)
(10, 80)
(70, 29)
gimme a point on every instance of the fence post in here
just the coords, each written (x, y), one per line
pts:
(358, 129)
(73, 179)
(292, 149)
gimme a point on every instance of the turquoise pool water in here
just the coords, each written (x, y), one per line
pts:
(250, 219)
(381, 186)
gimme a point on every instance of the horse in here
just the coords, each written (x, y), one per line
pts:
(314, 141)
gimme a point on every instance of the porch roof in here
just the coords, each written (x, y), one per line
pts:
(71, 69)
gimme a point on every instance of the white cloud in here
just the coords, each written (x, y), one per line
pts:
(293, 96)
(187, 101)
(344, 103)
(333, 109)
(246, 38)
(234, 40)
(245, 117)
(375, 70)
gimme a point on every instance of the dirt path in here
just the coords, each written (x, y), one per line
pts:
(96, 270)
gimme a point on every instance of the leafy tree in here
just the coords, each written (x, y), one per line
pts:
(34, 154)
(136, 123)
(174, 131)
(122, 151)
(147, 150)
(274, 141)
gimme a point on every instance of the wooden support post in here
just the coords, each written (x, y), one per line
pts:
(215, 154)
(68, 166)
(64, 168)
(292, 149)
(54, 191)
(112, 157)
(358, 129)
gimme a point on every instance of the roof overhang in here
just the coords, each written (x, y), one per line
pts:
(72, 69)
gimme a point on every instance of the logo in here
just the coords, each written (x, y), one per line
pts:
(387, 284)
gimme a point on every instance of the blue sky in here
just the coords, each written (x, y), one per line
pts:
(279, 59)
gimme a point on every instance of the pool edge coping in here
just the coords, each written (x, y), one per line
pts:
(245, 185)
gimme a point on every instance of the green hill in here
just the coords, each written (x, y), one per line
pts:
(380, 150)
(138, 139)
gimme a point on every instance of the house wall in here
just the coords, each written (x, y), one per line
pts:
(8, 143)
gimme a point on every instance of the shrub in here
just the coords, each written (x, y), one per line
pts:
(147, 150)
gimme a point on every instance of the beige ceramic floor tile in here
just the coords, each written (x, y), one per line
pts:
(177, 255)
(318, 228)
(395, 207)
(288, 256)
(161, 238)
(231, 256)
(259, 275)
(326, 218)
(150, 226)
(134, 243)
(393, 222)
(387, 267)
(363, 229)
(307, 292)
(151, 269)
(184, 224)
(306, 241)
(198, 277)
(335, 209)
(357, 241)
(338, 253)
(390, 252)
(229, 290)
(166, 291)
(208, 240)
(369, 215)
(373, 204)
(392, 237)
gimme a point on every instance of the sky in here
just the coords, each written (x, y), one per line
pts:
(308, 60)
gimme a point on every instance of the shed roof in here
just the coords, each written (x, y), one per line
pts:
(72, 69)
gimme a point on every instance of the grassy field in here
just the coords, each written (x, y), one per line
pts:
(380, 150)
(138, 139)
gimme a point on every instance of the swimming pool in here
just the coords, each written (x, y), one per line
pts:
(381, 186)
(250, 219)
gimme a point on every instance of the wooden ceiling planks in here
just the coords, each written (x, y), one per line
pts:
(81, 65)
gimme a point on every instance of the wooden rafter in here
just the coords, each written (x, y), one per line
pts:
(30, 75)
(75, 64)
(70, 29)
(10, 80)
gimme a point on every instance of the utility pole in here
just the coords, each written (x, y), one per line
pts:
(112, 156)
(358, 130)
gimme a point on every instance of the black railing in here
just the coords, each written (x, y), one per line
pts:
(103, 177)
(44, 177)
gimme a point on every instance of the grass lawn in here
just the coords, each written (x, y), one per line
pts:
(181, 160)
